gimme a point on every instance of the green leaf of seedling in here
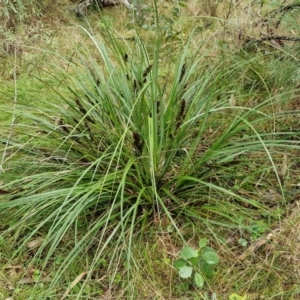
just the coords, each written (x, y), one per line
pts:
(203, 242)
(185, 272)
(184, 286)
(199, 280)
(206, 269)
(188, 252)
(211, 258)
(207, 249)
(243, 242)
(194, 260)
(235, 296)
(179, 263)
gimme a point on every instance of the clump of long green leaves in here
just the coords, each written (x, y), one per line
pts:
(120, 144)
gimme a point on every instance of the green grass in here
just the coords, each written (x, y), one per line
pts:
(118, 156)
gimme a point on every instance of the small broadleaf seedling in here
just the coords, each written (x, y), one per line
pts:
(199, 264)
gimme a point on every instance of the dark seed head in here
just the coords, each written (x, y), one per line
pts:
(138, 143)
(126, 57)
(182, 72)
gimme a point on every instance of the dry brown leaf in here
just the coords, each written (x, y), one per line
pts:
(28, 280)
(284, 166)
(76, 280)
(35, 243)
(14, 267)
(260, 242)
(232, 101)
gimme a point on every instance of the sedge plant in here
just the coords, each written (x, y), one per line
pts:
(117, 144)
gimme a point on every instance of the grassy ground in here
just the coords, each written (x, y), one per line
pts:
(99, 195)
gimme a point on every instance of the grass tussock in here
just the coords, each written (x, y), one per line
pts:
(119, 153)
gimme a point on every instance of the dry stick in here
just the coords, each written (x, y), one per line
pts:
(251, 42)
(284, 9)
(232, 7)
(281, 10)
(13, 116)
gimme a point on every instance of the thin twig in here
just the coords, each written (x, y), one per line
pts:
(251, 42)
(281, 11)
